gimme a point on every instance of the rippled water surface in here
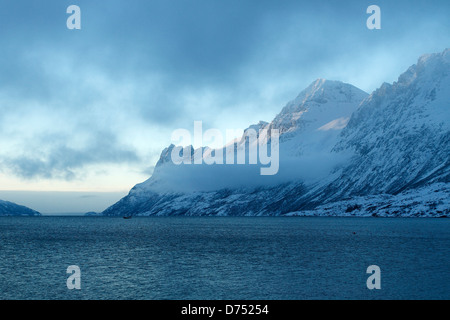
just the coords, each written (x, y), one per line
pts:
(224, 258)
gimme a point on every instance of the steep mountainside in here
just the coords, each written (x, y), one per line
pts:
(400, 135)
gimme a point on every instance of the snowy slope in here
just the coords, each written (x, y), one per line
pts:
(429, 201)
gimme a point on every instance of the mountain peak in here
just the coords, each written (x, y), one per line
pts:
(443, 56)
(165, 155)
(322, 101)
(322, 83)
(321, 91)
(429, 66)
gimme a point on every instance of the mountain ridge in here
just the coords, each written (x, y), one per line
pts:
(337, 142)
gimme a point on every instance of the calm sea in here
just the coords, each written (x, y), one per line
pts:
(224, 258)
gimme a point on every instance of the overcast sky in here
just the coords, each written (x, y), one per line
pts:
(90, 110)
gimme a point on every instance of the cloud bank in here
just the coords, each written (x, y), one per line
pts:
(112, 92)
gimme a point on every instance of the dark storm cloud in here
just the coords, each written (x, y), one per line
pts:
(191, 44)
(61, 160)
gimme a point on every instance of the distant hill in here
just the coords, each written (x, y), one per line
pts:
(11, 209)
(92, 214)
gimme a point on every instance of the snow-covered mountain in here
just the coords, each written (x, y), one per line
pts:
(218, 189)
(337, 143)
(12, 209)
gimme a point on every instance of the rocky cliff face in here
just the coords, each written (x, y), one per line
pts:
(400, 135)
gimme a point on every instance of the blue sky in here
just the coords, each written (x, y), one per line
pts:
(87, 111)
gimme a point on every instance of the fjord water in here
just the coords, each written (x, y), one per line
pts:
(224, 258)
